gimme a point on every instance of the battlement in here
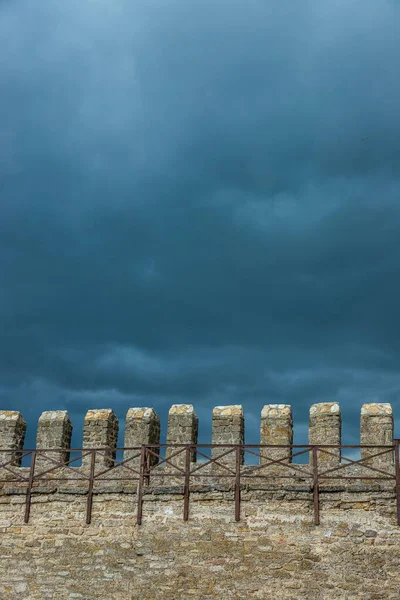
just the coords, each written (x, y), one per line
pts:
(147, 464)
(142, 426)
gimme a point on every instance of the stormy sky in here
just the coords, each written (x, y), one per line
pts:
(199, 203)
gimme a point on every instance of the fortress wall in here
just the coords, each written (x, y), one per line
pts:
(274, 552)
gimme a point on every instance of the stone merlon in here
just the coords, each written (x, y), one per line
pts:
(100, 430)
(54, 431)
(142, 427)
(182, 429)
(325, 427)
(12, 436)
(376, 428)
(227, 428)
(276, 428)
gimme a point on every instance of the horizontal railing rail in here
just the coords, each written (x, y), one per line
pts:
(223, 462)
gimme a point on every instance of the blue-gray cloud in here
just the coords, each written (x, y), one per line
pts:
(199, 203)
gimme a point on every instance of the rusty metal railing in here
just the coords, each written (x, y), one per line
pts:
(174, 461)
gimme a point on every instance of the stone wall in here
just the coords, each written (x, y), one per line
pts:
(274, 552)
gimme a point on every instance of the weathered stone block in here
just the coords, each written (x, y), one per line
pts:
(276, 428)
(54, 431)
(227, 428)
(100, 430)
(182, 429)
(12, 435)
(377, 428)
(325, 427)
(142, 426)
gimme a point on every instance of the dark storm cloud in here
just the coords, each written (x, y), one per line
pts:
(199, 203)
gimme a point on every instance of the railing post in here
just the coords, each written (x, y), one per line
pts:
(29, 490)
(90, 490)
(239, 451)
(187, 480)
(315, 484)
(397, 467)
(140, 485)
(147, 467)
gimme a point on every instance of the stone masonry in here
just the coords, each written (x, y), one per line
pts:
(325, 428)
(276, 428)
(182, 429)
(377, 428)
(54, 431)
(12, 435)
(100, 430)
(142, 426)
(274, 552)
(227, 428)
